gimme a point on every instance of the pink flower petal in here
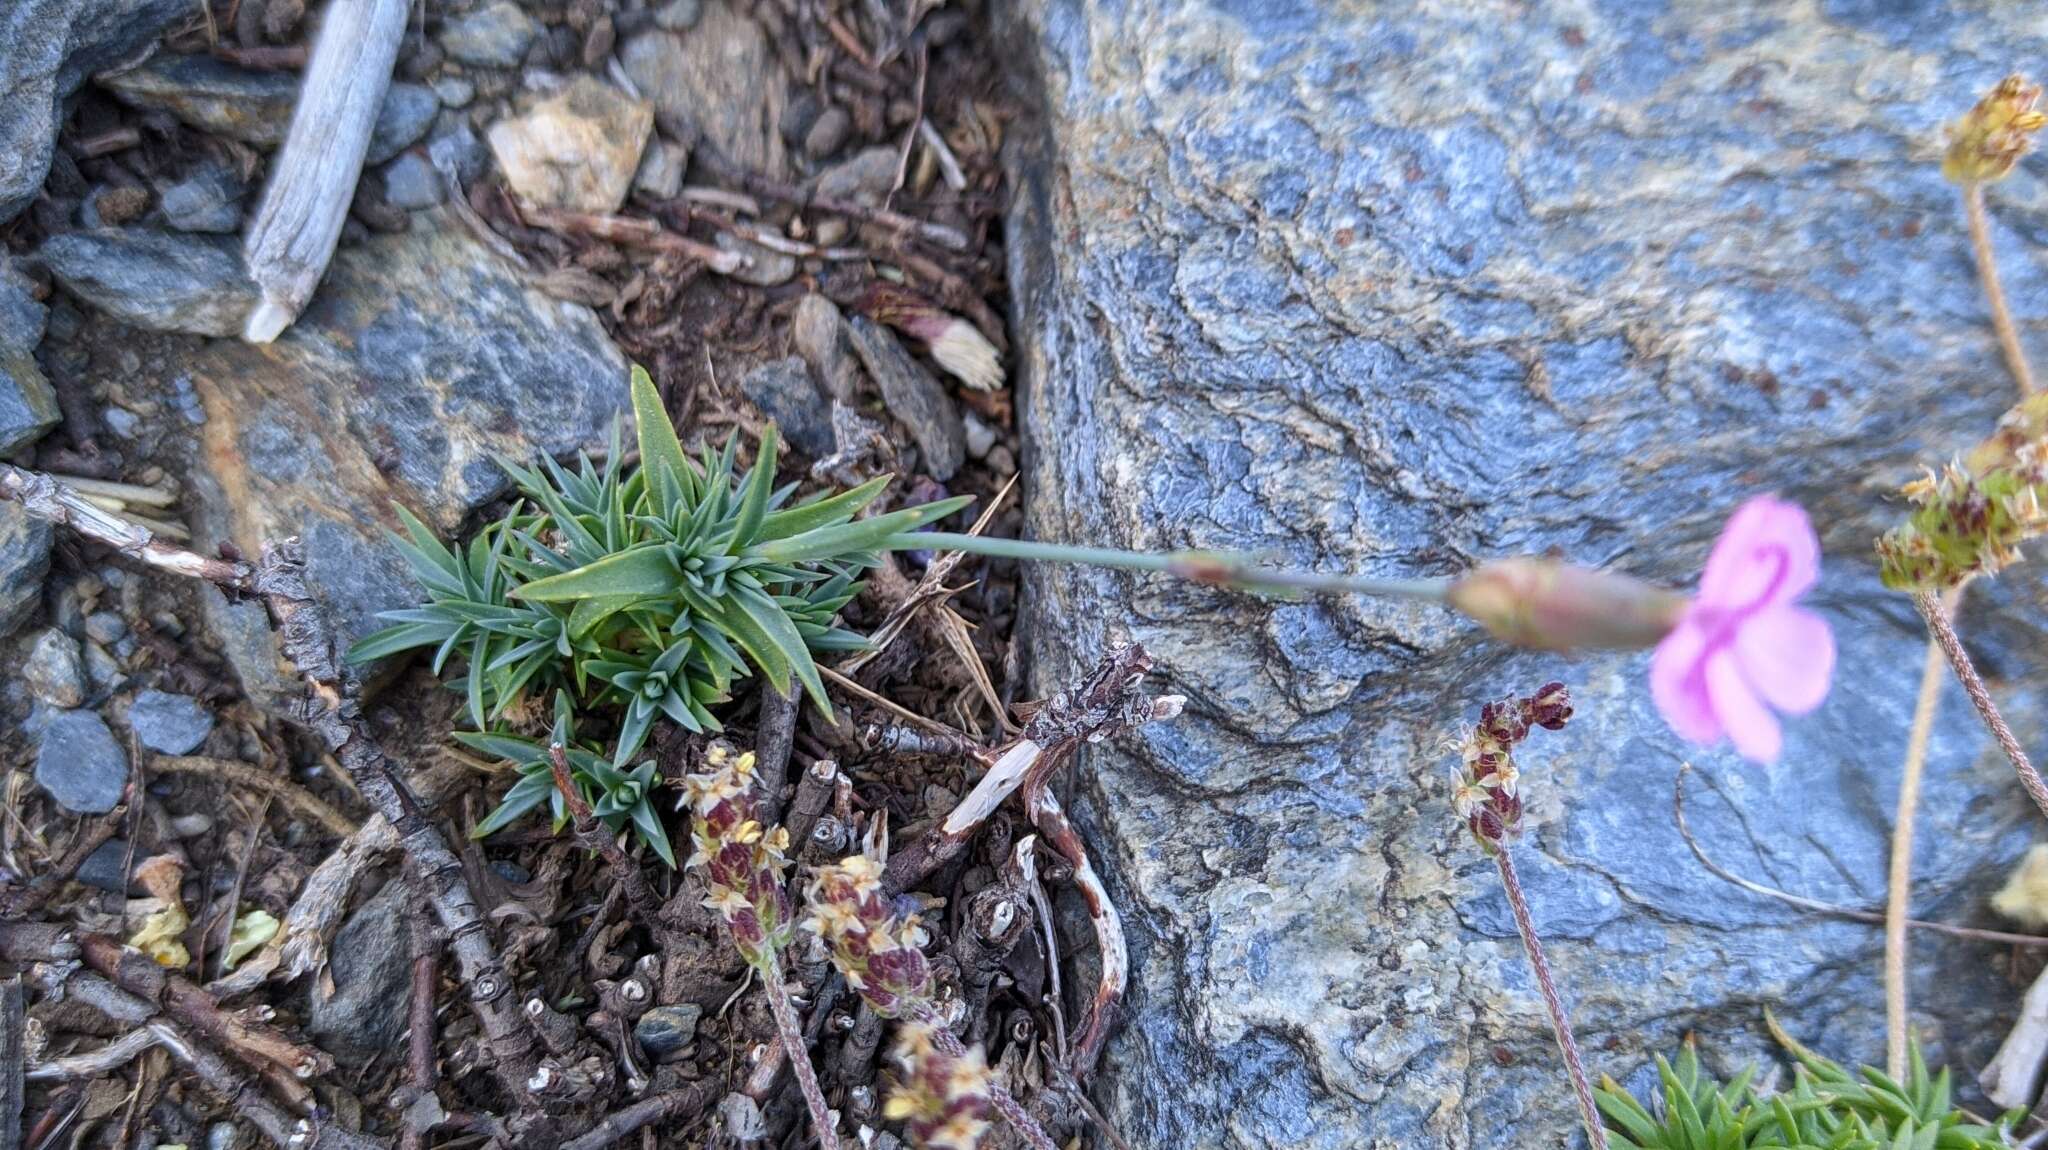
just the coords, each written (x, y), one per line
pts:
(1787, 655)
(1750, 723)
(1677, 687)
(1767, 554)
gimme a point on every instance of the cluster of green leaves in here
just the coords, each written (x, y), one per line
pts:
(616, 797)
(650, 590)
(1827, 1108)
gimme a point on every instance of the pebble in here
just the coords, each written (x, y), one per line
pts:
(494, 37)
(412, 183)
(828, 132)
(785, 393)
(818, 333)
(108, 206)
(679, 15)
(912, 396)
(165, 281)
(457, 148)
(121, 421)
(106, 626)
(172, 724)
(103, 868)
(370, 957)
(578, 149)
(24, 564)
(864, 177)
(980, 436)
(55, 672)
(454, 91)
(207, 199)
(765, 267)
(665, 1030)
(212, 95)
(102, 670)
(661, 169)
(80, 764)
(406, 114)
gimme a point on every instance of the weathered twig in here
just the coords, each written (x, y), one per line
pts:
(814, 790)
(30, 897)
(949, 238)
(791, 1033)
(648, 234)
(674, 1106)
(89, 1064)
(45, 498)
(420, 1057)
(13, 1056)
(1051, 822)
(2008, 1079)
(296, 798)
(1560, 1022)
(996, 919)
(1966, 671)
(313, 179)
(248, 1100)
(188, 1003)
(1106, 702)
(774, 736)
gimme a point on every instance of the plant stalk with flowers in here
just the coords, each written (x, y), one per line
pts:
(743, 864)
(877, 945)
(1488, 797)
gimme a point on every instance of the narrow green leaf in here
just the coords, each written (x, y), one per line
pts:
(525, 795)
(642, 573)
(754, 501)
(647, 821)
(661, 453)
(861, 535)
(821, 512)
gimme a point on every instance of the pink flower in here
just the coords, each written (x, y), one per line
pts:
(1744, 648)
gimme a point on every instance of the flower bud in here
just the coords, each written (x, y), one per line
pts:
(1970, 519)
(1990, 138)
(956, 345)
(1553, 606)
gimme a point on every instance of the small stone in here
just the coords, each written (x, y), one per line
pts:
(207, 199)
(103, 672)
(455, 148)
(28, 406)
(819, 334)
(722, 80)
(679, 15)
(116, 205)
(54, 671)
(80, 764)
(661, 169)
(211, 95)
(665, 1030)
(173, 724)
(980, 436)
(24, 563)
(121, 421)
(406, 114)
(493, 37)
(577, 149)
(785, 393)
(454, 91)
(863, 178)
(105, 626)
(368, 962)
(104, 868)
(765, 267)
(828, 133)
(412, 183)
(912, 396)
(165, 281)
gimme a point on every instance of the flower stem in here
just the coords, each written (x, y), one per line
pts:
(1569, 1046)
(1900, 884)
(1994, 292)
(799, 1055)
(1966, 672)
(1005, 1103)
(1224, 568)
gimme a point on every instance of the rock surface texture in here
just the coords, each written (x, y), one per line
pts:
(1393, 290)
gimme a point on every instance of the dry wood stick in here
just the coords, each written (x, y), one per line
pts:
(673, 1106)
(299, 800)
(255, 1042)
(591, 835)
(313, 179)
(248, 1100)
(1052, 822)
(46, 498)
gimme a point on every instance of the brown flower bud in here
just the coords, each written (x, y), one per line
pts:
(1553, 606)
(1990, 138)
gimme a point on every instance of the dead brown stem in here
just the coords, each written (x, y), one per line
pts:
(247, 1099)
(420, 1044)
(297, 799)
(791, 1032)
(191, 1006)
(592, 835)
(1560, 1022)
(672, 1107)
(648, 234)
(1052, 822)
(1966, 671)
(45, 498)
(1994, 291)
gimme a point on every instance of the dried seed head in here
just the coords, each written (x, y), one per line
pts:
(1488, 795)
(743, 863)
(1553, 606)
(957, 345)
(1988, 141)
(943, 1100)
(873, 940)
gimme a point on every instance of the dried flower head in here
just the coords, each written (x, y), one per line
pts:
(957, 345)
(1970, 519)
(943, 1100)
(1488, 796)
(742, 861)
(1554, 606)
(1990, 138)
(874, 941)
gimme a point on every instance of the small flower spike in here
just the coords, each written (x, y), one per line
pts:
(1488, 796)
(943, 1100)
(742, 862)
(1991, 137)
(873, 943)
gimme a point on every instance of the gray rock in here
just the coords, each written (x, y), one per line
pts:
(661, 169)
(173, 724)
(432, 356)
(164, 281)
(103, 673)
(368, 961)
(79, 763)
(912, 396)
(765, 267)
(24, 563)
(207, 199)
(864, 177)
(121, 422)
(785, 393)
(412, 183)
(105, 626)
(720, 81)
(819, 334)
(104, 869)
(828, 133)
(456, 148)
(496, 36)
(54, 670)
(211, 95)
(665, 1030)
(454, 91)
(47, 49)
(1383, 288)
(28, 407)
(404, 117)
(679, 15)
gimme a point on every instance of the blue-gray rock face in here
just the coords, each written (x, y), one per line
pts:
(173, 724)
(79, 763)
(28, 407)
(1391, 289)
(47, 49)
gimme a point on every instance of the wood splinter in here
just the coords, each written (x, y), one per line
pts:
(313, 179)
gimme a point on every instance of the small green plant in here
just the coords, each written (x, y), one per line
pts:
(652, 590)
(1827, 1108)
(616, 797)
